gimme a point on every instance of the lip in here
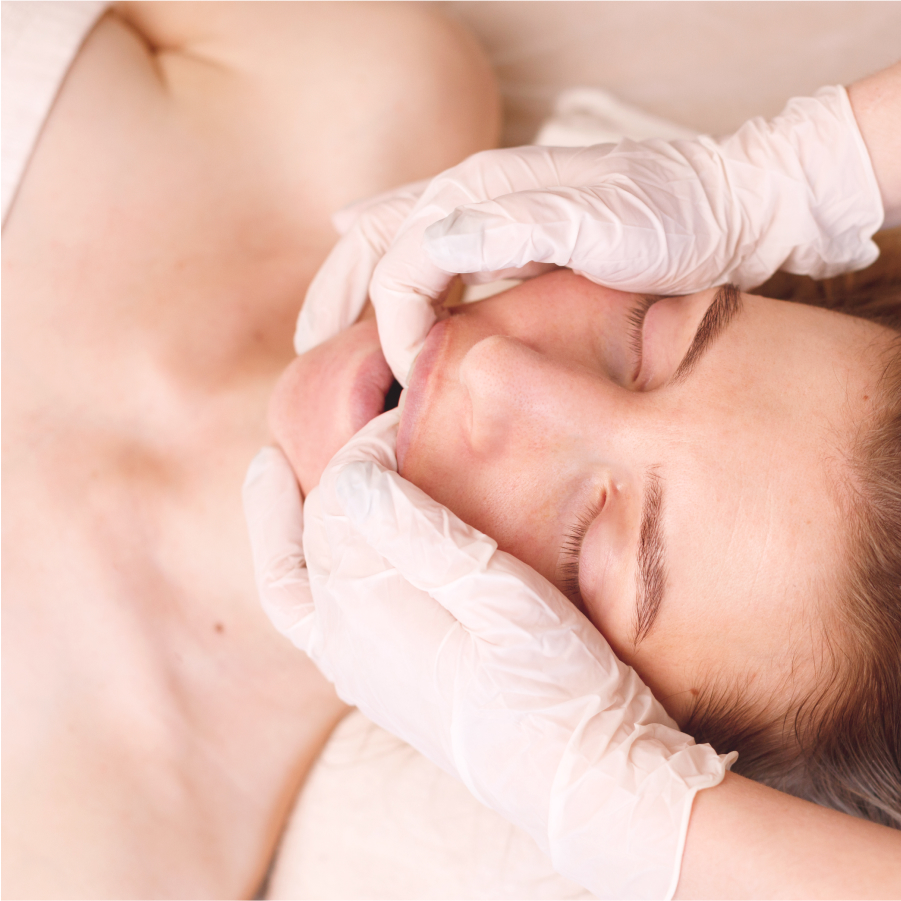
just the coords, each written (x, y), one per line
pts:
(416, 394)
(370, 379)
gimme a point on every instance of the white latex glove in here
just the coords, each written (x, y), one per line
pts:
(479, 663)
(669, 217)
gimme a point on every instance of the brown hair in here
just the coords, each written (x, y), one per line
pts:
(841, 746)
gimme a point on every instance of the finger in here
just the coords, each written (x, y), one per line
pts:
(509, 232)
(375, 629)
(494, 597)
(361, 483)
(404, 289)
(485, 589)
(340, 288)
(530, 270)
(274, 513)
(606, 231)
(407, 281)
(433, 547)
(377, 441)
(345, 218)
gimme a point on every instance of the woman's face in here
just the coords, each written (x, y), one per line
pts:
(685, 486)
(682, 478)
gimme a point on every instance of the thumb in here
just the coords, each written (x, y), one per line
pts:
(274, 513)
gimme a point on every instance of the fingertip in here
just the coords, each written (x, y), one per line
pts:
(355, 490)
(403, 329)
(402, 361)
(343, 220)
(262, 464)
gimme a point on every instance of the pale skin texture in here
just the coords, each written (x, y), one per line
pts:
(156, 727)
(523, 408)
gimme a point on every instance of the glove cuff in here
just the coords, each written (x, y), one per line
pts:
(818, 202)
(848, 209)
(618, 825)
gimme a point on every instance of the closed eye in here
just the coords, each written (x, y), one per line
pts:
(723, 310)
(635, 324)
(571, 552)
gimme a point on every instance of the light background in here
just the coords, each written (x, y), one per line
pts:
(710, 66)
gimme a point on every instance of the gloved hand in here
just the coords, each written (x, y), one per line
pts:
(479, 663)
(670, 217)
(340, 288)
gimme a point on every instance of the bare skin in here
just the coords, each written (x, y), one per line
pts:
(156, 726)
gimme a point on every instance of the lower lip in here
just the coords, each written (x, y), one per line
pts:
(371, 380)
(415, 396)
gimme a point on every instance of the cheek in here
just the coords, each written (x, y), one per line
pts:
(569, 319)
(513, 500)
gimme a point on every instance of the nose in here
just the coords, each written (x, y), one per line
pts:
(545, 405)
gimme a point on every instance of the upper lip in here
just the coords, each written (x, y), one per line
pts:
(417, 389)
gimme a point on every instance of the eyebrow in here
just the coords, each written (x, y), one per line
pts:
(651, 558)
(726, 306)
(720, 314)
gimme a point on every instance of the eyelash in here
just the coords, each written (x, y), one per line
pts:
(635, 323)
(572, 546)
